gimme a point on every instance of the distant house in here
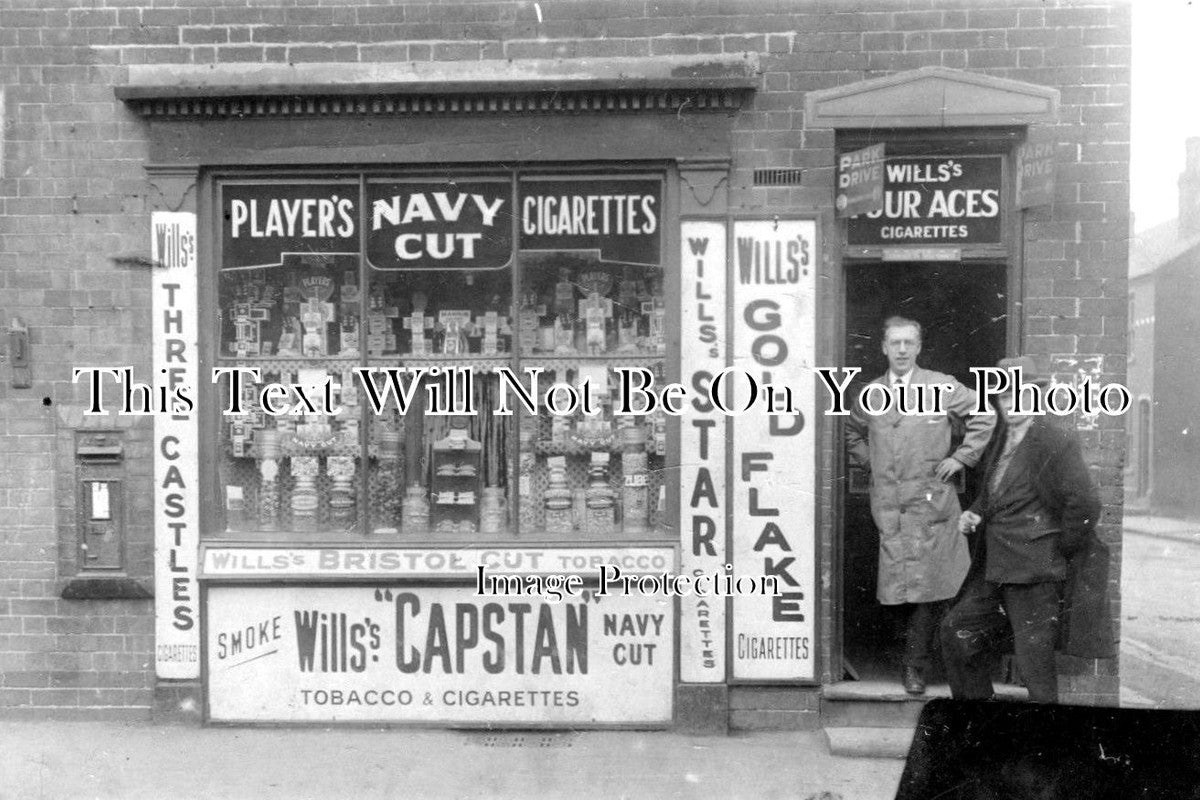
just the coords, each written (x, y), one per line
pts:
(1163, 470)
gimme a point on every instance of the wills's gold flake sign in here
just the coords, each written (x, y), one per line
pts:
(774, 454)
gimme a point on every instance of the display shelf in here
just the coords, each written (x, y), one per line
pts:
(279, 364)
(292, 450)
(473, 361)
(270, 507)
(536, 479)
(272, 363)
(339, 449)
(576, 448)
(557, 362)
(656, 536)
(457, 483)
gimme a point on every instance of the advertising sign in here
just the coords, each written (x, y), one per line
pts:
(619, 220)
(1036, 169)
(428, 562)
(263, 222)
(438, 225)
(401, 654)
(860, 181)
(774, 454)
(176, 448)
(934, 200)
(702, 442)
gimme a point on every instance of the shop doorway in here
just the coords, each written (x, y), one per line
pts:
(964, 310)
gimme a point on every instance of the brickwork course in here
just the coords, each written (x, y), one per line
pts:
(74, 223)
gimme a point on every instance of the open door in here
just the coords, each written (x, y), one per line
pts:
(963, 309)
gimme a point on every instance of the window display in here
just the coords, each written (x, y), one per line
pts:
(325, 285)
(580, 474)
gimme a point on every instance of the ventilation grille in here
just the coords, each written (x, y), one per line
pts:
(777, 177)
(538, 740)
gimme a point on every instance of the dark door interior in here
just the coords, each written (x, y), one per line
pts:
(963, 309)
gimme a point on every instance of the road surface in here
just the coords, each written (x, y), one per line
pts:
(1160, 617)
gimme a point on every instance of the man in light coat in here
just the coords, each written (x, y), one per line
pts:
(914, 501)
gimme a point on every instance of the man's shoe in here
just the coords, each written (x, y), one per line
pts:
(912, 680)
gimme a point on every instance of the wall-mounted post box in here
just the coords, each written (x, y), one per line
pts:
(100, 503)
(18, 353)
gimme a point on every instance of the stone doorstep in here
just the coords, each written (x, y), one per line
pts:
(892, 692)
(877, 719)
(874, 704)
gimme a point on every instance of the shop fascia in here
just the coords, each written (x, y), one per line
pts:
(447, 223)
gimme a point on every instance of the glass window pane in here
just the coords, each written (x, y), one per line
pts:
(291, 472)
(433, 316)
(297, 322)
(305, 307)
(433, 289)
(441, 478)
(439, 298)
(590, 476)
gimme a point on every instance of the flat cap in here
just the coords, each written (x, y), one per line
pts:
(1028, 367)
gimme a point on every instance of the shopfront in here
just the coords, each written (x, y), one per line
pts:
(421, 327)
(423, 305)
(402, 213)
(421, 317)
(408, 369)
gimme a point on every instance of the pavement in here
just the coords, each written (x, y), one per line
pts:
(77, 759)
(1162, 527)
(1160, 629)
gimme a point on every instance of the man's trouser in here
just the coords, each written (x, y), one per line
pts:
(921, 632)
(977, 627)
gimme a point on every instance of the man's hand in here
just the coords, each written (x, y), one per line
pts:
(968, 522)
(949, 467)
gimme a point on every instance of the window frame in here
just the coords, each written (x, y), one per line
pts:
(212, 430)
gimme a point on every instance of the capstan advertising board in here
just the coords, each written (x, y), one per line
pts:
(445, 655)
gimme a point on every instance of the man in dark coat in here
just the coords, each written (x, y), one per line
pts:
(1038, 507)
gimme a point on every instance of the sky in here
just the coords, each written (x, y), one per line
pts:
(1166, 103)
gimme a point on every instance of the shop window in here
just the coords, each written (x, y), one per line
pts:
(347, 289)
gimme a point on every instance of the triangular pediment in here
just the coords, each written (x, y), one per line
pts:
(931, 97)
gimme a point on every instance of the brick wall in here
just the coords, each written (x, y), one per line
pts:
(74, 206)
